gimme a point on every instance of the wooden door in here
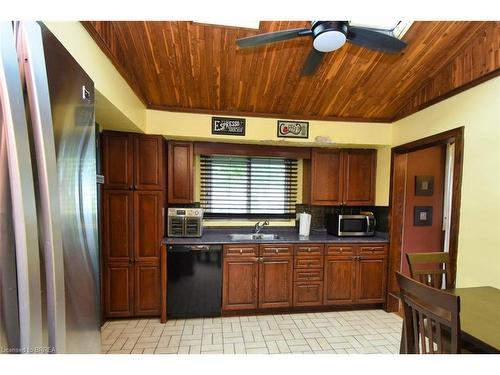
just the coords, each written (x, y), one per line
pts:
(147, 289)
(275, 282)
(119, 290)
(180, 172)
(117, 225)
(117, 160)
(149, 171)
(339, 280)
(359, 177)
(371, 279)
(326, 177)
(148, 225)
(240, 284)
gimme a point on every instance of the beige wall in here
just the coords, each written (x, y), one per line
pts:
(478, 110)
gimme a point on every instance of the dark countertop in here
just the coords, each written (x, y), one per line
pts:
(221, 236)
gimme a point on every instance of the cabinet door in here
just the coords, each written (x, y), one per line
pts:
(326, 177)
(117, 160)
(148, 162)
(148, 225)
(119, 290)
(117, 225)
(371, 279)
(180, 172)
(308, 293)
(339, 280)
(239, 284)
(147, 289)
(359, 175)
(275, 282)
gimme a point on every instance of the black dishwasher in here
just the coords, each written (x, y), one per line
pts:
(194, 284)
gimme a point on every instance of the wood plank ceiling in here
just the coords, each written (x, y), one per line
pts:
(185, 66)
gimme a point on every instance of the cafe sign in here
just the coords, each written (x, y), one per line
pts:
(293, 129)
(228, 126)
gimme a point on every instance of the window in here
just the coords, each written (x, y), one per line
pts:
(248, 187)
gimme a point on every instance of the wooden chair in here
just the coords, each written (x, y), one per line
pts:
(428, 313)
(431, 268)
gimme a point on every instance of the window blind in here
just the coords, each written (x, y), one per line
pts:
(248, 187)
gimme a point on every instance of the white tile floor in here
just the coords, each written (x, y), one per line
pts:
(362, 331)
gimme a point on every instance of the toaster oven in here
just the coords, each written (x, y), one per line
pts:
(184, 222)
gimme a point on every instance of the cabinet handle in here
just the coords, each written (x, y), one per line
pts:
(241, 251)
(308, 249)
(341, 250)
(276, 251)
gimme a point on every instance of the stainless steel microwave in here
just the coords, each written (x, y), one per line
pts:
(350, 225)
(184, 222)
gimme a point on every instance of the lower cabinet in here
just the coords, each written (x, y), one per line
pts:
(286, 276)
(257, 277)
(132, 290)
(118, 289)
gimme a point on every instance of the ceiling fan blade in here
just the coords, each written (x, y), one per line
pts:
(312, 62)
(379, 40)
(275, 36)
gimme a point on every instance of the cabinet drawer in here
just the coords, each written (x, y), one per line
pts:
(340, 249)
(308, 293)
(243, 250)
(373, 249)
(275, 250)
(308, 250)
(308, 275)
(313, 262)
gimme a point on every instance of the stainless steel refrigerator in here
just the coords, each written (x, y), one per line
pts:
(49, 253)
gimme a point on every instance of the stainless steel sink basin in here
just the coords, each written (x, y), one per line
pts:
(253, 236)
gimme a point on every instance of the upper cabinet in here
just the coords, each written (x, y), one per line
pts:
(340, 177)
(133, 161)
(180, 172)
(117, 159)
(359, 177)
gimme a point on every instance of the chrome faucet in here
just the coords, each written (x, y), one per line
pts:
(259, 226)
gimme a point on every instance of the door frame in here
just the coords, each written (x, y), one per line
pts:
(396, 205)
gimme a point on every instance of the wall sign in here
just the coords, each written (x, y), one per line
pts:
(228, 126)
(424, 185)
(422, 216)
(293, 129)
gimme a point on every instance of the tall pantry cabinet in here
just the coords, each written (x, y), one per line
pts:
(133, 201)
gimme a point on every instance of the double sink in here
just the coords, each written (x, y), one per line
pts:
(253, 236)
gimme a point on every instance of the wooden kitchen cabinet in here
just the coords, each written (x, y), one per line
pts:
(359, 177)
(340, 177)
(275, 276)
(119, 290)
(117, 225)
(117, 159)
(240, 284)
(308, 275)
(308, 293)
(180, 172)
(355, 274)
(147, 298)
(133, 161)
(371, 279)
(148, 225)
(149, 166)
(326, 177)
(340, 273)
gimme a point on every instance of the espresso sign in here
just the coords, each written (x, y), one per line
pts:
(293, 129)
(228, 126)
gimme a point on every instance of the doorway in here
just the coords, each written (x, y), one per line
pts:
(424, 203)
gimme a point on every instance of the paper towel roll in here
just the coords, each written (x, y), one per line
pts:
(304, 224)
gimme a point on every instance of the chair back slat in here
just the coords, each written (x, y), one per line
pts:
(426, 311)
(421, 268)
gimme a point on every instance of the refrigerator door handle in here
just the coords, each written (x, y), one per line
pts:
(32, 60)
(22, 194)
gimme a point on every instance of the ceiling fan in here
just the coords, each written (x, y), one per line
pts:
(329, 36)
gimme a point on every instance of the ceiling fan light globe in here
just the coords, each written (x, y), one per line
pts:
(329, 41)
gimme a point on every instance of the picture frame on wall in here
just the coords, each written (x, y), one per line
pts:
(422, 216)
(424, 185)
(292, 129)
